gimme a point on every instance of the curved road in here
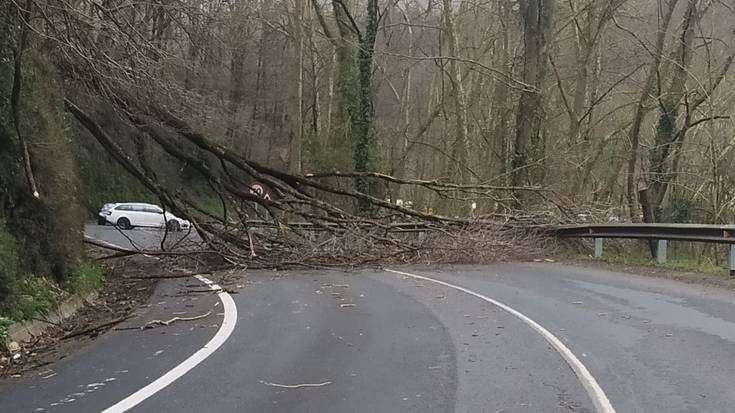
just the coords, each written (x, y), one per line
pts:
(381, 341)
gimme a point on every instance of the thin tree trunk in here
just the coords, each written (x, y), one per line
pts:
(669, 110)
(236, 91)
(501, 101)
(537, 18)
(642, 109)
(365, 155)
(296, 102)
(460, 144)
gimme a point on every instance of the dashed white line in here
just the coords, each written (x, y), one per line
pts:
(597, 395)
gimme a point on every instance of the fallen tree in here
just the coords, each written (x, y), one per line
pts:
(335, 236)
(145, 88)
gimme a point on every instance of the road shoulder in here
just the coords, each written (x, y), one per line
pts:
(90, 375)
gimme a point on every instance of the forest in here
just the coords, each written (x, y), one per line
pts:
(355, 114)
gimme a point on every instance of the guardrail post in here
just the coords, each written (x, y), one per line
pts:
(661, 251)
(732, 260)
(598, 247)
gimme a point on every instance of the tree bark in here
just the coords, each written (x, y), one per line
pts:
(537, 16)
(296, 116)
(365, 154)
(642, 109)
(460, 144)
(669, 102)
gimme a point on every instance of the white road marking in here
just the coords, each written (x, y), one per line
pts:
(228, 325)
(224, 332)
(599, 399)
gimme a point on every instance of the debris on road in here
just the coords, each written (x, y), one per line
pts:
(96, 328)
(154, 323)
(119, 298)
(47, 374)
(346, 305)
(295, 386)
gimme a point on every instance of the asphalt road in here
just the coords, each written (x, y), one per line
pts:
(146, 238)
(381, 341)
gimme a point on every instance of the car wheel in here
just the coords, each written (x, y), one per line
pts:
(173, 225)
(124, 223)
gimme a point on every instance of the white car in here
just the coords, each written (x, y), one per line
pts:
(128, 215)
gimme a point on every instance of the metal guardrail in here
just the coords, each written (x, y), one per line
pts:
(721, 234)
(662, 233)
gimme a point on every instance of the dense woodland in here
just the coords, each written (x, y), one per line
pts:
(354, 110)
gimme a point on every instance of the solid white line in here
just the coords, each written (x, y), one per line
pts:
(599, 399)
(227, 327)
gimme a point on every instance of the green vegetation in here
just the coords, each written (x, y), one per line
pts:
(682, 256)
(87, 277)
(4, 325)
(8, 265)
(22, 295)
(688, 264)
(40, 238)
(35, 296)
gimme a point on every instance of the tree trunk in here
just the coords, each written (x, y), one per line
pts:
(365, 155)
(669, 110)
(501, 102)
(460, 144)
(346, 103)
(296, 101)
(236, 91)
(537, 16)
(641, 107)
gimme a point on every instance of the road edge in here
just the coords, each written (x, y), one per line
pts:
(589, 383)
(223, 333)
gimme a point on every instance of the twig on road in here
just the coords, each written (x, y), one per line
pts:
(154, 323)
(295, 386)
(162, 276)
(96, 327)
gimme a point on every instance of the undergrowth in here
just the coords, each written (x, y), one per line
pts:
(87, 277)
(682, 256)
(4, 326)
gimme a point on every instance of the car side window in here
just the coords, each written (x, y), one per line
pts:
(123, 208)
